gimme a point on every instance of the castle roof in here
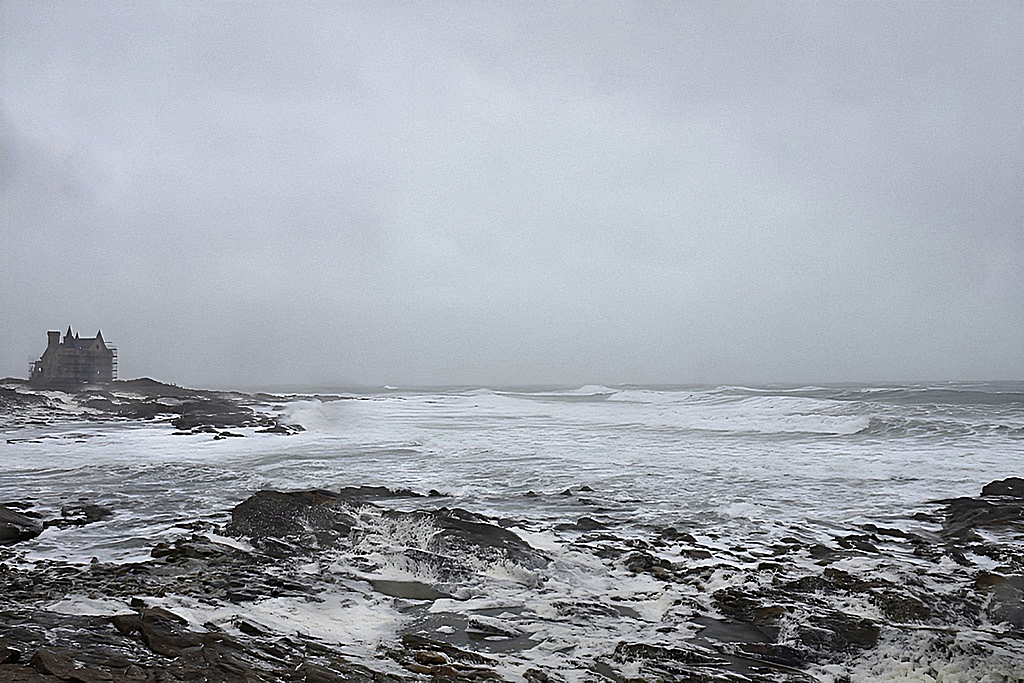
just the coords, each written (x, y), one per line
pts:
(77, 342)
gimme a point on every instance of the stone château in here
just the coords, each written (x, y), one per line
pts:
(75, 360)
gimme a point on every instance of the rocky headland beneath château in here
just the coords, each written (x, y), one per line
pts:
(187, 411)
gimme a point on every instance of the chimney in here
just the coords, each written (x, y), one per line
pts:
(52, 339)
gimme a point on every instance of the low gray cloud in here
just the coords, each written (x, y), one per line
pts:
(265, 194)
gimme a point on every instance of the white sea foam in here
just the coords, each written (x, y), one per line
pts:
(357, 622)
(928, 657)
(81, 605)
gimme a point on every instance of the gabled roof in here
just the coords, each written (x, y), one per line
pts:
(77, 342)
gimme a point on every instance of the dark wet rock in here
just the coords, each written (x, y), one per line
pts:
(582, 611)
(692, 656)
(162, 631)
(15, 526)
(968, 523)
(461, 531)
(771, 653)
(407, 590)
(727, 631)
(822, 553)
(12, 399)
(640, 561)
(55, 662)
(213, 412)
(821, 632)
(670, 663)
(280, 429)
(283, 524)
(153, 644)
(834, 631)
(833, 580)
(809, 610)
(582, 524)
(676, 536)
(863, 542)
(147, 643)
(1011, 486)
(187, 409)
(876, 531)
(23, 506)
(742, 607)
(901, 606)
(131, 409)
(1006, 598)
(360, 494)
(965, 516)
(90, 512)
(443, 661)
(196, 547)
(696, 553)
(79, 514)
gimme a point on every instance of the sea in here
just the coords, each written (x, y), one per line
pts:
(739, 469)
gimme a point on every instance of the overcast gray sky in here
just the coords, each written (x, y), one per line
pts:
(267, 193)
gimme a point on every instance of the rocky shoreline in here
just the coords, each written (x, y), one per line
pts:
(800, 611)
(188, 411)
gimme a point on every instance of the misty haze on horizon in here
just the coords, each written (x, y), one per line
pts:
(279, 194)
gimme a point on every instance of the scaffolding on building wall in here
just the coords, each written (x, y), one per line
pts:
(75, 362)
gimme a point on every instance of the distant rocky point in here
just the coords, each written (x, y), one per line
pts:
(189, 411)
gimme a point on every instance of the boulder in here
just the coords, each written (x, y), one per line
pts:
(286, 523)
(15, 527)
(283, 523)
(1011, 486)
(460, 531)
